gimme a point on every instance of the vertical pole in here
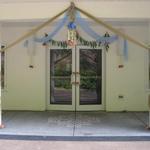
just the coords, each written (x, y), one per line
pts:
(148, 125)
(0, 114)
(52, 74)
(149, 120)
(1, 125)
(149, 77)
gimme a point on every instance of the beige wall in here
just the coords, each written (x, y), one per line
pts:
(131, 80)
(23, 9)
(26, 88)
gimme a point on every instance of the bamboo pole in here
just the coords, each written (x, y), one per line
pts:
(116, 31)
(33, 31)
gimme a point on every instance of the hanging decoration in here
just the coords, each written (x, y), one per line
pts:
(72, 34)
(106, 44)
(119, 51)
(71, 26)
(87, 29)
(74, 38)
(49, 36)
(125, 50)
(31, 50)
(84, 25)
(80, 41)
(122, 50)
(84, 42)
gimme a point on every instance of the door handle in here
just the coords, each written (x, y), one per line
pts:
(73, 82)
(78, 78)
(78, 83)
(73, 78)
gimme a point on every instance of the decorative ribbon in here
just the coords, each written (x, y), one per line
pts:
(59, 25)
(84, 25)
(72, 25)
(31, 50)
(86, 28)
(125, 50)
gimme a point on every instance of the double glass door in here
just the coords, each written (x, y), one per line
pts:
(75, 79)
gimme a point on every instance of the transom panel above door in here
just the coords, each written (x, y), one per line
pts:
(75, 79)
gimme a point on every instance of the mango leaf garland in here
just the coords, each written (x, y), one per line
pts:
(80, 41)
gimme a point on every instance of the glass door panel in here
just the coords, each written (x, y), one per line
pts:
(89, 68)
(90, 76)
(75, 79)
(60, 76)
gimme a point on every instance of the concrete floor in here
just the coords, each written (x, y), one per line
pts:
(61, 145)
(69, 124)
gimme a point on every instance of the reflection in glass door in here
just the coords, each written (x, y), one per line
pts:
(60, 76)
(90, 76)
(89, 68)
(75, 79)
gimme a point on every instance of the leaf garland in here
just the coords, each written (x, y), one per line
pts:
(80, 41)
